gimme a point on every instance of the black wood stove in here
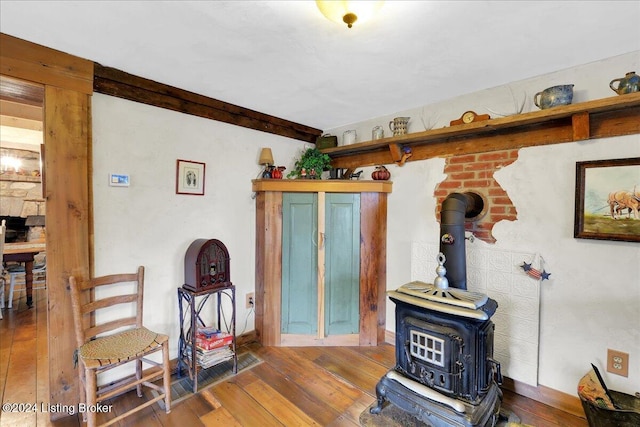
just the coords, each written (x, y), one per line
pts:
(445, 374)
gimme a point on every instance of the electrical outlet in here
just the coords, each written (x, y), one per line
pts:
(618, 362)
(251, 300)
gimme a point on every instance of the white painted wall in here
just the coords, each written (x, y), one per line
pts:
(592, 301)
(149, 224)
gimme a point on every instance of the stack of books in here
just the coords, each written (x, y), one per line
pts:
(212, 347)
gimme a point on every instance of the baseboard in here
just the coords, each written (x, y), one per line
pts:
(554, 398)
(246, 338)
(389, 337)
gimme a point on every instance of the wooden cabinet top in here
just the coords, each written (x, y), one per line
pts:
(321, 185)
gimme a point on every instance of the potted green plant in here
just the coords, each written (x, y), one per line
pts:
(310, 165)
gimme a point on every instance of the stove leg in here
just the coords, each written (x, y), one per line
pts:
(380, 393)
(376, 410)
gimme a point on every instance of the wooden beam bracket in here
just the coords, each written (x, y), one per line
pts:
(399, 153)
(396, 152)
(580, 125)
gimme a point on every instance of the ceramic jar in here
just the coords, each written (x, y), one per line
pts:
(627, 84)
(554, 96)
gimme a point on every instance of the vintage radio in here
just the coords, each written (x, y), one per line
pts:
(206, 265)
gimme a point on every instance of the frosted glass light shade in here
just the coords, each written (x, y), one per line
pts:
(349, 11)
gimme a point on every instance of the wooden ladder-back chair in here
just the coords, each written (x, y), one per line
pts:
(115, 345)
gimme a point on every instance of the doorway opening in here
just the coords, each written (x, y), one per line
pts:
(22, 199)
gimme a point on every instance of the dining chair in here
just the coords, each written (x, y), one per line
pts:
(104, 345)
(17, 271)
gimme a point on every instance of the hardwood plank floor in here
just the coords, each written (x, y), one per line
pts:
(306, 386)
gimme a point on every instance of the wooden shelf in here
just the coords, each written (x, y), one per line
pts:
(321, 185)
(608, 117)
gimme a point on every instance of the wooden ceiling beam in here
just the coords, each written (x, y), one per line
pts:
(110, 81)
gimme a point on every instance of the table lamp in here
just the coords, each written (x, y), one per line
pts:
(266, 159)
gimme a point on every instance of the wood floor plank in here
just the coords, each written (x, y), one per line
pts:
(130, 400)
(352, 414)
(243, 407)
(42, 355)
(539, 414)
(353, 368)
(219, 417)
(319, 383)
(384, 354)
(279, 406)
(185, 413)
(7, 329)
(198, 404)
(20, 383)
(296, 393)
(210, 398)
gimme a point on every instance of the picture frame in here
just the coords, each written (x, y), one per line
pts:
(607, 200)
(190, 177)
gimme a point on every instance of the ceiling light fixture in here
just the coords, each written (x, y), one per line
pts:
(348, 11)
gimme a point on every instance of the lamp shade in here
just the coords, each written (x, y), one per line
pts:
(348, 12)
(266, 157)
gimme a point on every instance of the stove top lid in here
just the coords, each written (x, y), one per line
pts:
(452, 296)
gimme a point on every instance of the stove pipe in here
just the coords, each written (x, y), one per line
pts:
(455, 208)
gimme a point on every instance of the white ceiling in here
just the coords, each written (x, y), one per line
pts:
(285, 59)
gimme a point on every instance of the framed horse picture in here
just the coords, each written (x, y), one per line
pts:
(608, 200)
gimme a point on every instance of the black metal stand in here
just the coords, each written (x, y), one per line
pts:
(195, 302)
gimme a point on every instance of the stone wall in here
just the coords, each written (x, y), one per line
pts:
(19, 198)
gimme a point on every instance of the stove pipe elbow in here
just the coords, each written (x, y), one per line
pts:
(455, 208)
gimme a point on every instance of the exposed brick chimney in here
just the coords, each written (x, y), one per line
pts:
(474, 173)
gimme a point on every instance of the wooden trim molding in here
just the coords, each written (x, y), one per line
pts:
(29, 61)
(110, 81)
(68, 84)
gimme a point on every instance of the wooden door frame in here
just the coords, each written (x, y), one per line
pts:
(68, 84)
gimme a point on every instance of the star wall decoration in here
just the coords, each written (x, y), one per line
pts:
(535, 273)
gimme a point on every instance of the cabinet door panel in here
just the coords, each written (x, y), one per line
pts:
(299, 263)
(342, 263)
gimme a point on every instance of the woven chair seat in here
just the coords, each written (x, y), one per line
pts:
(120, 347)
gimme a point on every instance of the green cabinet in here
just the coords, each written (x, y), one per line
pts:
(299, 262)
(342, 263)
(320, 263)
